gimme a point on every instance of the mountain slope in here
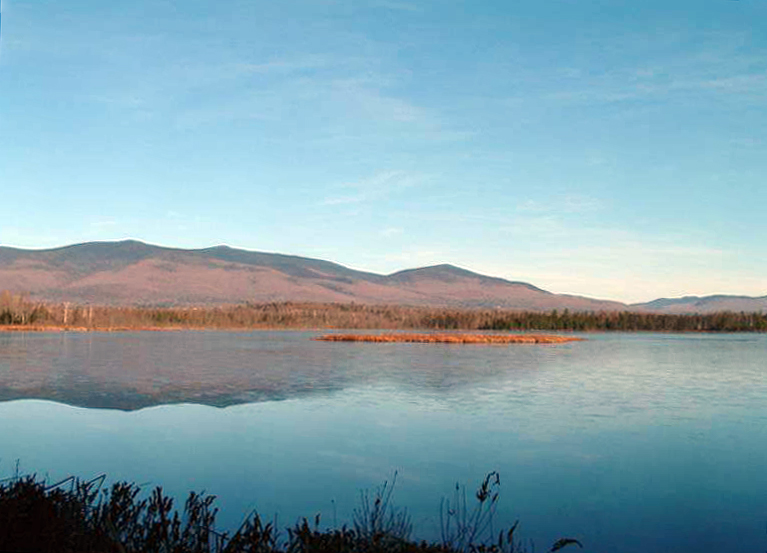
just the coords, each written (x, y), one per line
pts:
(131, 272)
(706, 304)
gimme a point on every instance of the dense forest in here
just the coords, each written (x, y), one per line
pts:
(20, 311)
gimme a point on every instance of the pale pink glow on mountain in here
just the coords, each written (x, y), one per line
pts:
(134, 273)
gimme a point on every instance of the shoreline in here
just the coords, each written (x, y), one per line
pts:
(19, 314)
(58, 329)
(386, 334)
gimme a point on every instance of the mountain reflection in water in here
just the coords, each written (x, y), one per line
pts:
(132, 370)
(630, 442)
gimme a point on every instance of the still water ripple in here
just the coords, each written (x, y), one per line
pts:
(630, 442)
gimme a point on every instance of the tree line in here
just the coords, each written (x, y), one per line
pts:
(20, 310)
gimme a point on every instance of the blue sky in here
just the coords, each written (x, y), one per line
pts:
(611, 149)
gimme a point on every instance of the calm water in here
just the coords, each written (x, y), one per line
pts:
(629, 442)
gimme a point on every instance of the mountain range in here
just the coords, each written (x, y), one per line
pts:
(134, 273)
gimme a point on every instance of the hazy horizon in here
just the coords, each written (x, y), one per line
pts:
(608, 150)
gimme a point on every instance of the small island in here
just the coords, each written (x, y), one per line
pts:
(451, 338)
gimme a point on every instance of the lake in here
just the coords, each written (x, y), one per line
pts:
(628, 442)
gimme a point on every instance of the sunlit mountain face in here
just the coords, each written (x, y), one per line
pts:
(131, 272)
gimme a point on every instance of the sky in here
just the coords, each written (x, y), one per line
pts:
(610, 149)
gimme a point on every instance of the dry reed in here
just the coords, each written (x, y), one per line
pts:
(451, 338)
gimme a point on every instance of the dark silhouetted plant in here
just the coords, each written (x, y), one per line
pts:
(462, 526)
(76, 516)
(468, 529)
(379, 518)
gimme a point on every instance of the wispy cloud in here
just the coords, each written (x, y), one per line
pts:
(391, 232)
(387, 108)
(289, 65)
(565, 204)
(125, 100)
(398, 6)
(719, 66)
(372, 188)
(326, 72)
(103, 224)
(264, 106)
(347, 90)
(371, 99)
(746, 142)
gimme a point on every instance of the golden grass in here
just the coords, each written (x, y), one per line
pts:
(451, 338)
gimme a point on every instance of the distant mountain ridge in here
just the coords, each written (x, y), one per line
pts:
(130, 272)
(704, 304)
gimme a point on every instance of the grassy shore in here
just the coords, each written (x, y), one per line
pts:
(76, 516)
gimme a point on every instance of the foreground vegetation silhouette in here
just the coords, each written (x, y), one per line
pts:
(81, 516)
(24, 314)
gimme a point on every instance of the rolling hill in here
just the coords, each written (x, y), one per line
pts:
(706, 304)
(134, 273)
(131, 272)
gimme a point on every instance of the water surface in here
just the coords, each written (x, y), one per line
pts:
(629, 442)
